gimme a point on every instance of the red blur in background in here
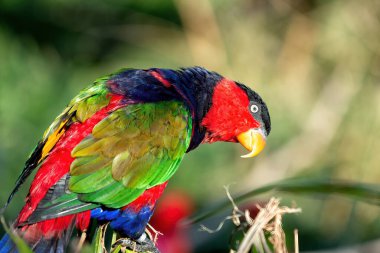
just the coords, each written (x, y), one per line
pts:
(172, 208)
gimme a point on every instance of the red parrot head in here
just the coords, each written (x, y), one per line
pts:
(237, 114)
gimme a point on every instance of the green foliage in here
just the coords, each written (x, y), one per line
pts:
(369, 193)
(99, 240)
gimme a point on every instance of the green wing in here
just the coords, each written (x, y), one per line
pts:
(134, 148)
(131, 150)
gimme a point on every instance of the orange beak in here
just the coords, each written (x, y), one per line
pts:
(254, 140)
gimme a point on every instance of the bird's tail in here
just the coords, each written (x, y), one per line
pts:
(53, 244)
(56, 244)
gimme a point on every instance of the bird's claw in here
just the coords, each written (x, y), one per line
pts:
(141, 245)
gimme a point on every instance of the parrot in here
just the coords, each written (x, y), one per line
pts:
(109, 155)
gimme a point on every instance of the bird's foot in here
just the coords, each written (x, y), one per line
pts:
(141, 245)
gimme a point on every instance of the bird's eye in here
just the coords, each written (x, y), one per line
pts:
(254, 108)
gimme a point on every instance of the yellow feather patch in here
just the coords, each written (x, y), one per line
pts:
(52, 140)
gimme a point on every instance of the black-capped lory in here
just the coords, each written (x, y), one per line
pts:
(109, 155)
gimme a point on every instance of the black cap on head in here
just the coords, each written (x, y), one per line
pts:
(254, 97)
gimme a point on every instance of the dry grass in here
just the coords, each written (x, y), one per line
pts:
(265, 230)
(268, 220)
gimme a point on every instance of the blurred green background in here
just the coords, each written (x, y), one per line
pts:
(316, 64)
